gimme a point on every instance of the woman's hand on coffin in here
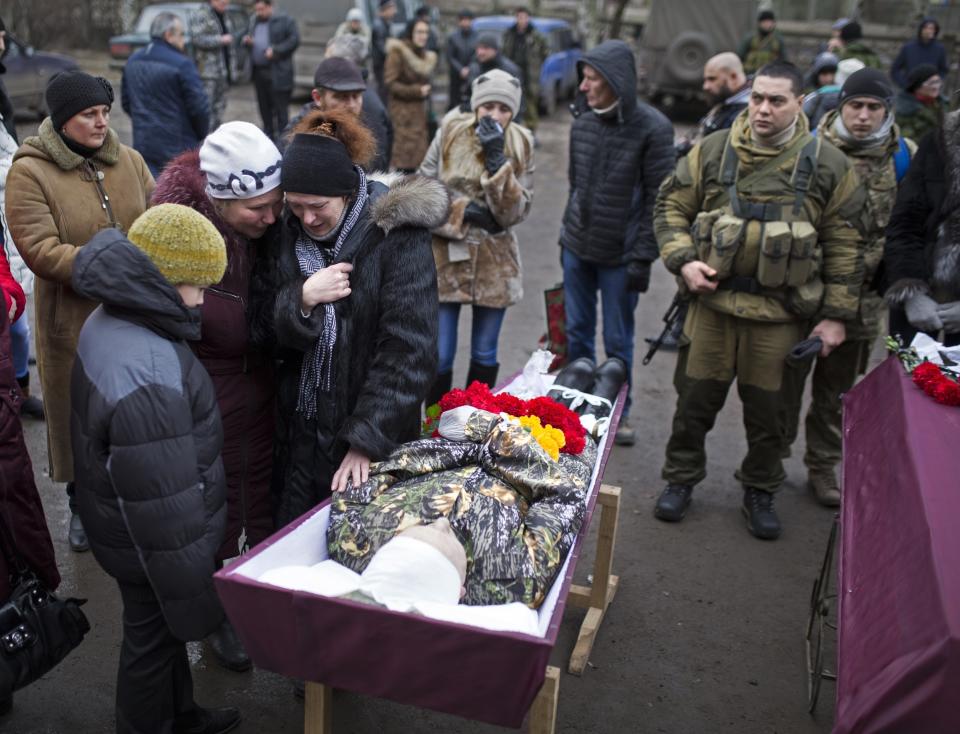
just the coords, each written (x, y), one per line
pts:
(326, 286)
(355, 468)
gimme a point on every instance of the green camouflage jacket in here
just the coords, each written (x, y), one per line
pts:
(205, 33)
(860, 50)
(877, 173)
(516, 511)
(832, 205)
(528, 55)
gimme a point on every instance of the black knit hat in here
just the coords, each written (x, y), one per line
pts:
(919, 74)
(868, 82)
(489, 40)
(73, 91)
(318, 165)
(765, 15)
(851, 32)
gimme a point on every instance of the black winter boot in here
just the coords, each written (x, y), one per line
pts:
(440, 387)
(485, 373)
(31, 406)
(228, 649)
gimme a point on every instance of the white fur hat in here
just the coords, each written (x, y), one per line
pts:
(240, 161)
(354, 14)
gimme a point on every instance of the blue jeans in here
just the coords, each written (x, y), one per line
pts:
(484, 334)
(20, 345)
(581, 280)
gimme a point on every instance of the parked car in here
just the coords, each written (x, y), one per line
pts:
(558, 76)
(27, 74)
(122, 46)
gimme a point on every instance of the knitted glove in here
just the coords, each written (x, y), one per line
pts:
(479, 215)
(949, 314)
(922, 313)
(638, 276)
(490, 135)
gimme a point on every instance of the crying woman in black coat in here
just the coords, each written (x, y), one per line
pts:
(348, 299)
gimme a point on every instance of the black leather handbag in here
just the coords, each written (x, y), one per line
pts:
(37, 628)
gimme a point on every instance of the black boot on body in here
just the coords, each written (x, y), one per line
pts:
(762, 520)
(673, 502)
(31, 406)
(485, 373)
(440, 387)
(228, 649)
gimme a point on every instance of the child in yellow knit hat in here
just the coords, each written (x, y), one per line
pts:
(150, 484)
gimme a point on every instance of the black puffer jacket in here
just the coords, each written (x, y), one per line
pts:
(617, 163)
(146, 436)
(922, 249)
(386, 350)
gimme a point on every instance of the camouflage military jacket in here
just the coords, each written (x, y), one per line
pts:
(516, 511)
(876, 170)
(205, 33)
(832, 205)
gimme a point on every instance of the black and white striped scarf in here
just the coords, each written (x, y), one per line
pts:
(316, 372)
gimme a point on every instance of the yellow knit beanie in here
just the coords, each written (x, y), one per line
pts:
(182, 243)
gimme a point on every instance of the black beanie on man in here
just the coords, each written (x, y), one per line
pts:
(765, 15)
(851, 32)
(919, 74)
(318, 165)
(867, 82)
(73, 91)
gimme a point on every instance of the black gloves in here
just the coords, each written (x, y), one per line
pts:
(638, 276)
(480, 216)
(490, 135)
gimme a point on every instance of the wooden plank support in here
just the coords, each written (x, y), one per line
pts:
(596, 597)
(543, 712)
(317, 709)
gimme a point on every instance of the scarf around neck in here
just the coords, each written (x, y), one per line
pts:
(880, 136)
(316, 372)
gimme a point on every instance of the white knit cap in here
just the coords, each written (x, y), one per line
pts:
(496, 85)
(240, 161)
(354, 14)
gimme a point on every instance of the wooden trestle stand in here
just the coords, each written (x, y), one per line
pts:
(595, 598)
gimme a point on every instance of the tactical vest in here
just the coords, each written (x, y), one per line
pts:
(765, 247)
(762, 51)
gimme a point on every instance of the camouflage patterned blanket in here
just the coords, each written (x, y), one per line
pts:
(516, 511)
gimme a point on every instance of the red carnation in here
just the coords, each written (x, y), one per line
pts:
(946, 392)
(925, 373)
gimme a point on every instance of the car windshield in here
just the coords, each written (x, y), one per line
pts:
(151, 12)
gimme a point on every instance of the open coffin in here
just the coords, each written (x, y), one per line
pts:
(454, 668)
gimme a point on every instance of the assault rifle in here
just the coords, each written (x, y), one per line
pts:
(670, 318)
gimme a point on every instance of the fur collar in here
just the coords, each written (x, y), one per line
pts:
(410, 201)
(422, 65)
(49, 141)
(182, 182)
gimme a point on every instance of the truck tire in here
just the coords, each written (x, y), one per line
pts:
(687, 55)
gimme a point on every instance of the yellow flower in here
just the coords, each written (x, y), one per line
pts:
(550, 439)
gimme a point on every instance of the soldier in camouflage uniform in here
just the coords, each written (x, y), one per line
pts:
(862, 128)
(763, 46)
(516, 511)
(527, 47)
(759, 223)
(213, 38)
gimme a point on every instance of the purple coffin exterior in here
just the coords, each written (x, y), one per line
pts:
(899, 638)
(467, 671)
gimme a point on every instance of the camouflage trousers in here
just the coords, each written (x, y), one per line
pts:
(216, 90)
(531, 108)
(723, 347)
(832, 377)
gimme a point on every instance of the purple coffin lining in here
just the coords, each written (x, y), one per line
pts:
(899, 589)
(467, 671)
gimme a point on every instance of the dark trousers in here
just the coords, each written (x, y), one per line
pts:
(273, 103)
(154, 684)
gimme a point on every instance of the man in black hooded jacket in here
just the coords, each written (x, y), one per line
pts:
(620, 152)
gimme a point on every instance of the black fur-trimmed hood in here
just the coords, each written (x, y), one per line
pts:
(410, 201)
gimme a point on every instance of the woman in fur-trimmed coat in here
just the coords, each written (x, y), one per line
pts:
(922, 248)
(486, 161)
(406, 75)
(347, 297)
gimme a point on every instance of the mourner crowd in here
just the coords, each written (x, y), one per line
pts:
(233, 321)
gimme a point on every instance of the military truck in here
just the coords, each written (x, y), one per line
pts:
(680, 35)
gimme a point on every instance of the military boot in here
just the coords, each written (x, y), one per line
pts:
(762, 520)
(823, 484)
(673, 502)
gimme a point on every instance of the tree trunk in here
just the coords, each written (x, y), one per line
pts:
(616, 22)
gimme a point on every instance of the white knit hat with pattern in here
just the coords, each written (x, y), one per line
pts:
(496, 85)
(240, 161)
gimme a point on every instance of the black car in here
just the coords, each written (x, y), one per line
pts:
(27, 74)
(122, 46)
